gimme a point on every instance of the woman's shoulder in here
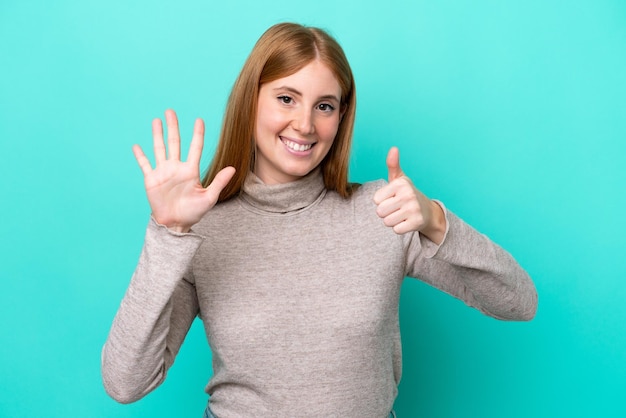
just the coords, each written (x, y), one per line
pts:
(367, 189)
(362, 196)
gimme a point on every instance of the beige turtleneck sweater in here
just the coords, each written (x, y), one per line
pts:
(298, 291)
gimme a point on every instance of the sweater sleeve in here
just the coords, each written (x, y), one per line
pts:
(153, 318)
(469, 266)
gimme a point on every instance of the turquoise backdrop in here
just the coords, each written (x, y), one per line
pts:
(511, 112)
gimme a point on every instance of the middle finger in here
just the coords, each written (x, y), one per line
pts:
(173, 136)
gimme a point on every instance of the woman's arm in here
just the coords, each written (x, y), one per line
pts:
(471, 267)
(160, 304)
(449, 254)
(153, 318)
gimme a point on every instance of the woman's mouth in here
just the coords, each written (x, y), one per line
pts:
(296, 146)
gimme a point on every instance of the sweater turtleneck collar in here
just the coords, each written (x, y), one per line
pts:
(285, 197)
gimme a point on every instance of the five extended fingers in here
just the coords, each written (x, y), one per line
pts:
(173, 147)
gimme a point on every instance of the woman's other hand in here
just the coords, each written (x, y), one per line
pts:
(404, 208)
(173, 187)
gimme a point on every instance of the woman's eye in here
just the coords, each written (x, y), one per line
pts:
(325, 107)
(285, 99)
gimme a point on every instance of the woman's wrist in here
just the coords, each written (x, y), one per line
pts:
(436, 230)
(172, 226)
(179, 228)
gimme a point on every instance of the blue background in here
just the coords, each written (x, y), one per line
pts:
(511, 112)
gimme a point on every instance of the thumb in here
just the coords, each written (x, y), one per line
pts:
(221, 179)
(393, 164)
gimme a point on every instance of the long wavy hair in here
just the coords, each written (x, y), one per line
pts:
(283, 50)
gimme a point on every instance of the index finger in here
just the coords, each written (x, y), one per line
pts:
(384, 193)
(197, 143)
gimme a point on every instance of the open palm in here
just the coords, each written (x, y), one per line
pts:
(176, 196)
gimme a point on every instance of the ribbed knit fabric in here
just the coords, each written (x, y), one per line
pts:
(298, 291)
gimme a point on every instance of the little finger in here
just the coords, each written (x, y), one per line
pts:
(142, 160)
(403, 228)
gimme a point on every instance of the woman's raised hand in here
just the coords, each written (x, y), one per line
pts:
(176, 196)
(404, 208)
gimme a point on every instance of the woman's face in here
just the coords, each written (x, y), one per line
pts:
(296, 123)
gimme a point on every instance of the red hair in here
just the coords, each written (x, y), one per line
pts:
(282, 50)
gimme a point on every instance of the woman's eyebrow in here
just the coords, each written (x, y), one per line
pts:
(298, 93)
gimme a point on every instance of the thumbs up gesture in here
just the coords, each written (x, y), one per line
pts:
(404, 208)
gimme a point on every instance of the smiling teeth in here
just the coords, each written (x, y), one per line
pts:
(297, 147)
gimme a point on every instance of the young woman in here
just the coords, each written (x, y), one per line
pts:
(295, 272)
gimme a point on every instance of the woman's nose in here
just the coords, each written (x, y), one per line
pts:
(303, 122)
